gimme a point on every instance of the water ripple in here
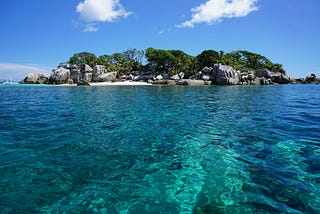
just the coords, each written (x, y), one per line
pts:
(160, 149)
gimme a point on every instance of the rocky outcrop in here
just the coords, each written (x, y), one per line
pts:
(60, 76)
(267, 74)
(144, 77)
(159, 77)
(261, 77)
(126, 77)
(249, 79)
(85, 74)
(205, 74)
(260, 81)
(225, 75)
(35, 78)
(207, 70)
(97, 72)
(311, 78)
(107, 77)
(281, 78)
(100, 74)
(87, 77)
(244, 78)
(266, 77)
(86, 68)
(207, 77)
(277, 70)
(192, 82)
(75, 75)
(178, 76)
(220, 75)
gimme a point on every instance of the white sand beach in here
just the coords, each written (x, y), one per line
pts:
(118, 83)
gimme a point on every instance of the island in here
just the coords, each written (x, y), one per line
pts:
(172, 67)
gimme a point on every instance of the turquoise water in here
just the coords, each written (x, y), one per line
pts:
(160, 149)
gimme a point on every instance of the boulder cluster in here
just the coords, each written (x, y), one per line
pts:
(72, 74)
(36, 78)
(266, 77)
(309, 79)
(217, 75)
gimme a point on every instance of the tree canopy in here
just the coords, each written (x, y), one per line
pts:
(174, 61)
(83, 57)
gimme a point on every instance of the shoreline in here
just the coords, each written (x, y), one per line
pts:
(125, 83)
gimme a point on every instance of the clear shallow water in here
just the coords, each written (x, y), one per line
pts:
(160, 149)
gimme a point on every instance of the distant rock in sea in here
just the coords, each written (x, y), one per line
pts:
(35, 78)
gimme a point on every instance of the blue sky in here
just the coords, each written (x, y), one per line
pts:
(36, 35)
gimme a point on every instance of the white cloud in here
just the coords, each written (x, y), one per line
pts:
(18, 72)
(101, 10)
(214, 11)
(91, 28)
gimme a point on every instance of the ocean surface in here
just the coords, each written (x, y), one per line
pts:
(160, 149)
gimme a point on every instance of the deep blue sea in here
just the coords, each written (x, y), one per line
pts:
(160, 149)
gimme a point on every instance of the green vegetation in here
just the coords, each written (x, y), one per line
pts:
(124, 62)
(174, 61)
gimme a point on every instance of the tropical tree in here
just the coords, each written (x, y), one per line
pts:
(83, 57)
(174, 61)
(160, 60)
(208, 58)
(182, 63)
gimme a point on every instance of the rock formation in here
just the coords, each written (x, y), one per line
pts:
(97, 71)
(192, 82)
(311, 78)
(217, 75)
(85, 74)
(220, 75)
(267, 74)
(143, 76)
(281, 78)
(177, 77)
(75, 75)
(225, 75)
(107, 77)
(60, 76)
(35, 78)
(100, 74)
